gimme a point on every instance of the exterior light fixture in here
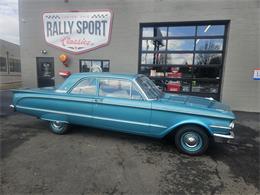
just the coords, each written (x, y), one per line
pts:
(64, 59)
(44, 51)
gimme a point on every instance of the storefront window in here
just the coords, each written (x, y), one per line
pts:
(87, 65)
(182, 58)
(14, 65)
(3, 67)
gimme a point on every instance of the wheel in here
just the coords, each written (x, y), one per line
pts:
(58, 127)
(191, 140)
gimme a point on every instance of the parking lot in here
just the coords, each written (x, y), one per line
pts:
(94, 161)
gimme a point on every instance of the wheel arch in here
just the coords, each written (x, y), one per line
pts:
(173, 129)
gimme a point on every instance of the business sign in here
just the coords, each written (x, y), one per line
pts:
(257, 74)
(78, 32)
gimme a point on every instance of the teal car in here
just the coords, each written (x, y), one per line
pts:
(131, 104)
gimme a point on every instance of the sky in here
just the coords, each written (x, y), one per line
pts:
(9, 22)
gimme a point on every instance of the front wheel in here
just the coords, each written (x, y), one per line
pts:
(58, 127)
(191, 140)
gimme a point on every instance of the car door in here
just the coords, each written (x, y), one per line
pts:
(121, 107)
(82, 96)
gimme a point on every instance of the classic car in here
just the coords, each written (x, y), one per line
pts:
(131, 104)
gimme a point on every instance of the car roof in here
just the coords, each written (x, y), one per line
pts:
(105, 74)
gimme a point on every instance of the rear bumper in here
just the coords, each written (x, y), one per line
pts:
(12, 107)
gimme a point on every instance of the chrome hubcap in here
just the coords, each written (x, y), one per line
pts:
(57, 124)
(191, 140)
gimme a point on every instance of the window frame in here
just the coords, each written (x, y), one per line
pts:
(164, 67)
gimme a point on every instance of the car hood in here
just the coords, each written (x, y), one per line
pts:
(195, 105)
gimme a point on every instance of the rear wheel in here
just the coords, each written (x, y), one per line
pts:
(191, 140)
(58, 127)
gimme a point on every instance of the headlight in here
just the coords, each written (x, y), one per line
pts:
(232, 125)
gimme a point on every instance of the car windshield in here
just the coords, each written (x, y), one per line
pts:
(149, 88)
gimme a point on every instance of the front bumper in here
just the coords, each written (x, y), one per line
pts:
(223, 137)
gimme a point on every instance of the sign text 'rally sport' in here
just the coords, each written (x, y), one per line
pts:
(78, 32)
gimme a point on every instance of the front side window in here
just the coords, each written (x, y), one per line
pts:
(87, 87)
(115, 88)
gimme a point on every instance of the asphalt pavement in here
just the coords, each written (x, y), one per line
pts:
(95, 161)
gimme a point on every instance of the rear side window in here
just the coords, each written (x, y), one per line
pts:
(86, 86)
(115, 88)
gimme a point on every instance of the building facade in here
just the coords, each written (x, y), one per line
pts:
(202, 48)
(10, 65)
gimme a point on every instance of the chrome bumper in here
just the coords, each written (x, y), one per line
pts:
(221, 138)
(12, 107)
(230, 136)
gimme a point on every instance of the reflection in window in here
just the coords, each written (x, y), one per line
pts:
(204, 87)
(179, 31)
(114, 88)
(209, 44)
(147, 45)
(153, 58)
(205, 58)
(181, 44)
(151, 45)
(211, 30)
(148, 32)
(209, 72)
(182, 59)
(161, 32)
(87, 87)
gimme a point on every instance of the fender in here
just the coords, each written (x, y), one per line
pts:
(185, 122)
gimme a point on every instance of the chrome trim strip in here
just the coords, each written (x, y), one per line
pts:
(89, 116)
(219, 127)
(87, 99)
(231, 136)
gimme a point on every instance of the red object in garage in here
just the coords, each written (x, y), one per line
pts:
(64, 73)
(173, 86)
(174, 74)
